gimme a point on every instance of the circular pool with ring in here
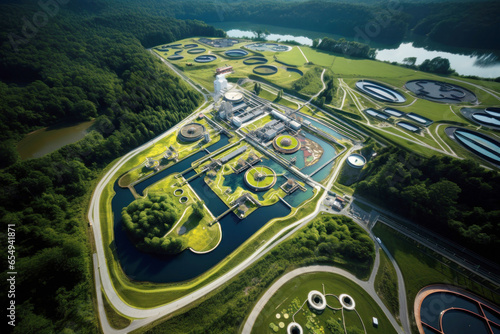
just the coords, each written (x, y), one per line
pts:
(380, 91)
(175, 57)
(205, 58)
(196, 50)
(265, 70)
(236, 53)
(255, 61)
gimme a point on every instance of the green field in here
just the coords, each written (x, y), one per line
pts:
(293, 142)
(293, 57)
(386, 284)
(204, 73)
(293, 293)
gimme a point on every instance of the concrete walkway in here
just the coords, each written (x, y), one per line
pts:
(307, 60)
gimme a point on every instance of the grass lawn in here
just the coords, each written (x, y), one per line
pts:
(386, 284)
(420, 269)
(259, 123)
(115, 319)
(204, 73)
(268, 95)
(272, 95)
(293, 57)
(291, 296)
(197, 233)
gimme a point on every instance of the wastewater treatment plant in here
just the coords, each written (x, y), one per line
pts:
(264, 189)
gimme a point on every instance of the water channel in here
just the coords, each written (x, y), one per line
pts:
(186, 265)
(459, 314)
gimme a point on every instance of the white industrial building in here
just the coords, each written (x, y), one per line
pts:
(293, 124)
(220, 83)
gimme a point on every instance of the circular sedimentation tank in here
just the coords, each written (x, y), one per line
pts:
(356, 160)
(294, 70)
(316, 301)
(236, 53)
(450, 309)
(260, 178)
(272, 47)
(492, 111)
(380, 91)
(486, 119)
(178, 192)
(286, 144)
(191, 132)
(205, 58)
(233, 97)
(347, 302)
(294, 328)
(190, 46)
(174, 46)
(175, 57)
(265, 70)
(438, 91)
(196, 50)
(255, 61)
(183, 199)
(478, 143)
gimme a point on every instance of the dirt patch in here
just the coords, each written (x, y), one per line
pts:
(312, 151)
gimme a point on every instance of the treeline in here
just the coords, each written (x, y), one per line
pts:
(331, 240)
(456, 198)
(471, 24)
(72, 69)
(437, 65)
(347, 48)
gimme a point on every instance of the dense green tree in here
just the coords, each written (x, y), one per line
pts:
(347, 48)
(226, 311)
(8, 153)
(453, 197)
(90, 62)
(436, 65)
(260, 34)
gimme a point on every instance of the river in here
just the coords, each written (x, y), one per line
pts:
(48, 140)
(464, 62)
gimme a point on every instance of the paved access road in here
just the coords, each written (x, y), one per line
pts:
(368, 286)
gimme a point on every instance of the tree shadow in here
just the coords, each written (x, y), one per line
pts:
(192, 222)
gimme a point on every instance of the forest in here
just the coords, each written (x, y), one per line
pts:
(88, 61)
(456, 198)
(147, 220)
(470, 24)
(328, 239)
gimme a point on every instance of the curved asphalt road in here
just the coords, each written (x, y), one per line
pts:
(146, 316)
(366, 285)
